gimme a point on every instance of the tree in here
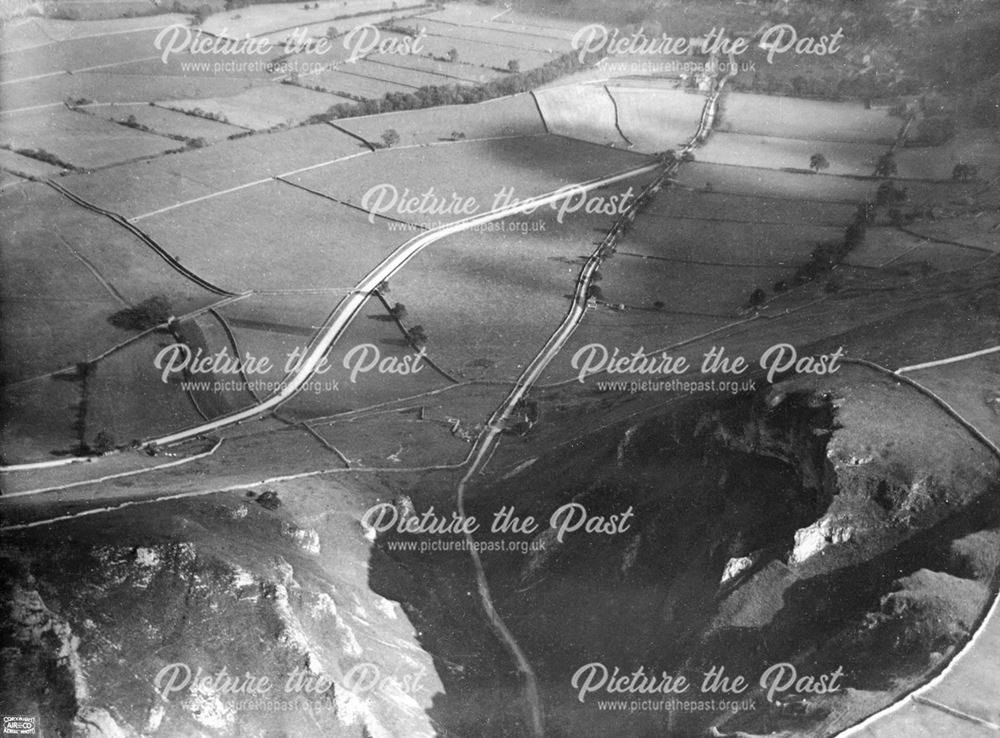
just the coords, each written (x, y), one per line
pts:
(104, 442)
(757, 297)
(390, 138)
(818, 162)
(964, 172)
(453, 55)
(886, 165)
(398, 311)
(331, 33)
(514, 66)
(418, 336)
(383, 286)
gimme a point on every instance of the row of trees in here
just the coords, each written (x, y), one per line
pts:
(436, 95)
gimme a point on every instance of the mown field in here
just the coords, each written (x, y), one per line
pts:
(324, 244)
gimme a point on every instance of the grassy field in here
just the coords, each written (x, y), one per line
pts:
(449, 73)
(258, 20)
(898, 251)
(494, 35)
(9, 180)
(396, 440)
(401, 73)
(334, 392)
(513, 284)
(656, 119)
(38, 419)
(182, 177)
(56, 308)
(482, 53)
(23, 34)
(26, 166)
(715, 206)
(78, 54)
(79, 139)
(779, 153)
(480, 15)
(639, 283)
(522, 167)
(952, 383)
(729, 179)
(510, 116)
(263, 107)
(115, 383)
(586, 112)
(767, 115)
(330, 245)
(346, 82)
(725, 243)
(978, 147)
(165, 122)
(106, 86)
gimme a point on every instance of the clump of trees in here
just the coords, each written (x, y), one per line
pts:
(390, 138)
(964, 172)
(268, 499)
(147, 314)
(886, 165)
(818, 162)
(417, 336)
(104, 442)
(933, 131)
